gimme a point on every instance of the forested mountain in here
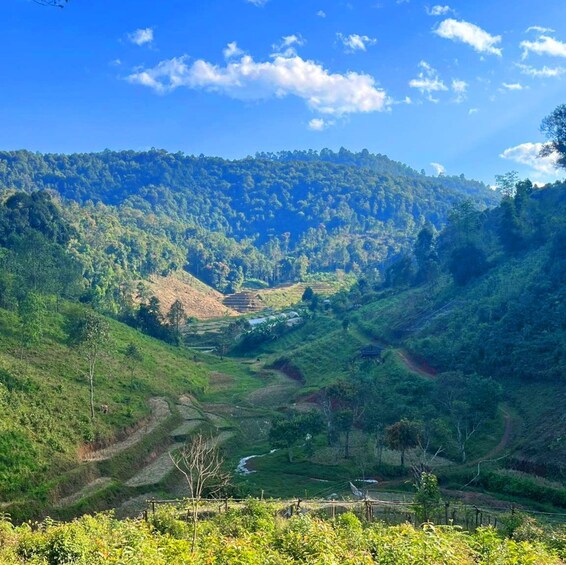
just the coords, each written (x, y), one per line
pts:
(377, 163)
(226, 221)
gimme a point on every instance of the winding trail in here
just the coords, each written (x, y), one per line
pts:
(417, 366)
(90, 488)
(420, 367)
(160, 411)
(503, 443)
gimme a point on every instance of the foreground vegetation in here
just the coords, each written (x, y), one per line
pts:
(258, 534)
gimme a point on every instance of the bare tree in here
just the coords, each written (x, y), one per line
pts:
(201, 465)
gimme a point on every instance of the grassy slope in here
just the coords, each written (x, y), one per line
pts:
(44, 417)
(447, 325)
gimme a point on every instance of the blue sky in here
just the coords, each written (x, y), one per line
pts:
(460, 86)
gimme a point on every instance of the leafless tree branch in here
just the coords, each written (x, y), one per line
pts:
(201, 464)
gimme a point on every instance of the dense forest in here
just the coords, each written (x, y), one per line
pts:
(273, 219)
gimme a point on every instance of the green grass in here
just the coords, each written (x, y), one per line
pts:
(324, 360)
(45, 411)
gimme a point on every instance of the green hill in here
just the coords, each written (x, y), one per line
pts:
(228, 221)
(487, 297)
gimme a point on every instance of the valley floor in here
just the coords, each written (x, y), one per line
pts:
(242, 396)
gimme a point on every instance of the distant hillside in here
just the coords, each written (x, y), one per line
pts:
(272, 219)
(198, 300)
(377, 163)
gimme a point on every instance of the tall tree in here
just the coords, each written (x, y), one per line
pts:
(427, 498)
(554, 127)
(402, 436)
(506, 184)
(467, 263)
(510, 230)
(32, 320)
(134, 356)
(287, 432)
(200, 463)
(91, 335)
(176, 318)
(470, 401)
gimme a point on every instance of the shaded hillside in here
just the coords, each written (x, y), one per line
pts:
(380, 164)
(487, 296)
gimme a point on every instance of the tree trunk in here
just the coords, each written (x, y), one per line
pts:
(195, 524)
(91, 385)
(402, 458)
(290, 454)
(347, 446)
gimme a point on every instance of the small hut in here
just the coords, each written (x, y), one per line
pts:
(372, 352)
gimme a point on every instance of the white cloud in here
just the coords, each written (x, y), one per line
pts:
(438, 169)
(470, 34)
(460, 87)
(545, 72)
(232, 50)
(473, 111)
(321, 14)
(428, 81)
(257, 2)
(141, 36)
(544, 45)
(513, 86)
(540, 29)
(318, 124)
(286, 46)
(355, 42)
(245, 79)
(529, 154)
(438, 10)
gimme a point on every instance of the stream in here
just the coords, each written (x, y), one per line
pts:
(242, 468)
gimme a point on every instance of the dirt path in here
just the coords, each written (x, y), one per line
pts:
(159, 413)
(156, 471)
(503, 443)
(87, 490)
(420, 367)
